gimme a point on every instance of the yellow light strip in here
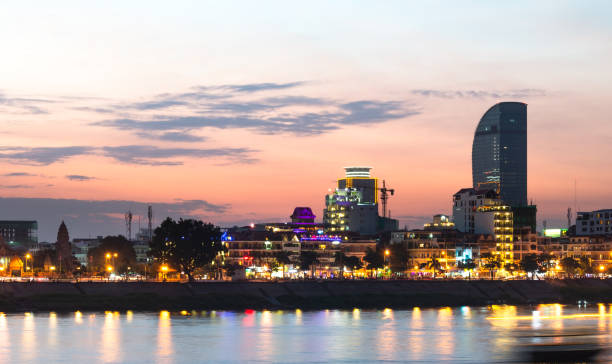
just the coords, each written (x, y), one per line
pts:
(532, 317)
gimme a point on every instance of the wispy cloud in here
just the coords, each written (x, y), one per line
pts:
(480, 94)
(18, 174)
(256, 87)
(22, 105)
(41, 156)
(130, 154)
(78, 177)
(148, 155)
(303, 124)
(16, 186)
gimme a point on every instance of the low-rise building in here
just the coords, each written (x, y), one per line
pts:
(597, 222)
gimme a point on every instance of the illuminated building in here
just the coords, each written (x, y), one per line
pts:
(20, 234)
(359, 179)
(499, 152)
(497, 221)
(353, 205)
(465, 204)
(440, 222)
(597, 222)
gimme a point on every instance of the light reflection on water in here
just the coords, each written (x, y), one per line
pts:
(464, 334)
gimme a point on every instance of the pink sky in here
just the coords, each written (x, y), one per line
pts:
(261, 107)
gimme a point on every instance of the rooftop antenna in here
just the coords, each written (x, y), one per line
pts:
(128, 224)
(569, 217)
(150, 217)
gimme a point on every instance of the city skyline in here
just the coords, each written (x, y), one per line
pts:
(240, 120)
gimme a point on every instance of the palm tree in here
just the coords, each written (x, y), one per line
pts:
(339, 260)
(308, 259)
(434, 265)
(283, 258)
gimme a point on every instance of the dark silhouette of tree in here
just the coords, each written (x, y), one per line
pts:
(121, 251)
(585, 266)
(354, 263)
(283, 258)
(308, 260)
(569, 265)
(545, 262)
(466, 264)
(529, 264)
(398, 258)
(434, 265)
(374, 259)
(492, 262)
(186, 244)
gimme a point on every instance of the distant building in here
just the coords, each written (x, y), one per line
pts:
(499, 152)
(597, 222)
(81, 247)
(440, 222)
(19, 234)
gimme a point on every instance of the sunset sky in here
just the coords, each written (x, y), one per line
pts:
(238, 112)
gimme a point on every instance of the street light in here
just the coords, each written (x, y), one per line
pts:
(164, 269)
(27, 256)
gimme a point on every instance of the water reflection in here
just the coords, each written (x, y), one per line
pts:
(28, 337)
(164, 338)
(464, 334)
(111, 342)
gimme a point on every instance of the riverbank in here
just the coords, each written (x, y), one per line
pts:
(328, 294)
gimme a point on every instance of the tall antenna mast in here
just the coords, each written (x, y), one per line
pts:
(128, 225)
(569, 217)
(150, 217)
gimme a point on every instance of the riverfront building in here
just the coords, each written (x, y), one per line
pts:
(19, 234)
(499, 152)
(465, 206)
(597, 222)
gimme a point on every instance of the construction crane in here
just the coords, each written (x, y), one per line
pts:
(384, 196)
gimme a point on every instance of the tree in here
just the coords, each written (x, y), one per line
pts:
(120, 251)
(339, 261)
(374, 258)
(398, 258)
(186, 244)
(353, 262)
(434, 265)
(529, 264)
(569, 265)
(466, 264)
(585, 266)
(308, 259)
(545, 263)
(491, 262)
(283, 258)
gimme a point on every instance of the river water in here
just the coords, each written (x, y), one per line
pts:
(452, 335)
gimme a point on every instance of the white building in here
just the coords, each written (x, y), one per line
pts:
(597, 222)
(465, 205)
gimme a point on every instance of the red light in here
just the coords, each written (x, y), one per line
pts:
(249, 312)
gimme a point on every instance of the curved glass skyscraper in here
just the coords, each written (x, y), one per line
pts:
(499, 152)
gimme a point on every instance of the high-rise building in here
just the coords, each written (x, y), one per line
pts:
(353, 205)
(499, 152)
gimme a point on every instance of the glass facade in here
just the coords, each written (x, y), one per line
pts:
(499, 152)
